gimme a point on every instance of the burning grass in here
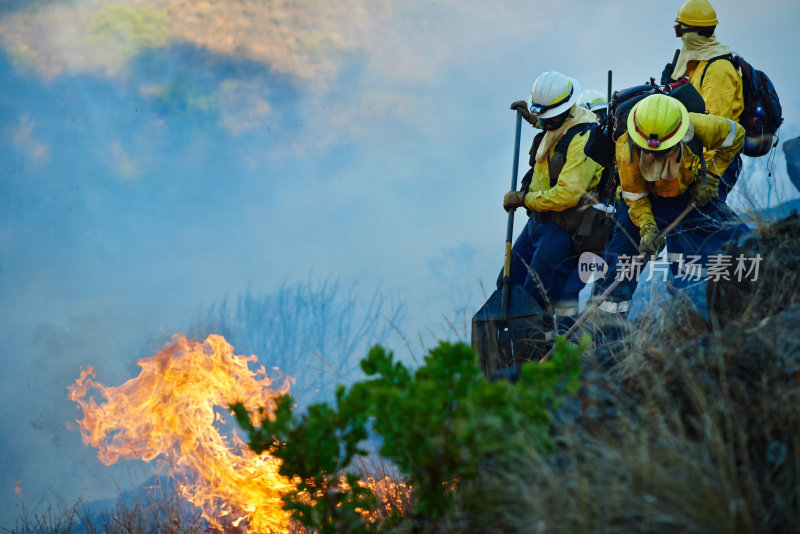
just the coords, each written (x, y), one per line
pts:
(160, 507)
(175, 411)
(172, 410)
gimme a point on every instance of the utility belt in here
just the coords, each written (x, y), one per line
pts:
(589, 224)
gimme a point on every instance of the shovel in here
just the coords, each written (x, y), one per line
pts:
(507, 330)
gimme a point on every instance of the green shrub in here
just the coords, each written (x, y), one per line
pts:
(440, 426)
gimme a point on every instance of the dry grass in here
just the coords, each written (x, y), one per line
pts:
(704, 432)
(158, 508)
(709, 444)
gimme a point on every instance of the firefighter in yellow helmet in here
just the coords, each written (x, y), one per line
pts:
(661, 171)
(707, 63)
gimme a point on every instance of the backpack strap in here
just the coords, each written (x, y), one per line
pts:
(729, 57)
(556, 163)
(697, 148)
(537, 140)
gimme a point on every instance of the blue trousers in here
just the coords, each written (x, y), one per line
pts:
(542, 260)
(700, 234)
(729, 177)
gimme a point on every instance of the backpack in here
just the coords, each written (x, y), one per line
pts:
(762, 115)
(623, 101)
(601, 144)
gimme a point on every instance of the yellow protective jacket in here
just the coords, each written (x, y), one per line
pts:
(719, 134)
(579, 175)
(721, 87)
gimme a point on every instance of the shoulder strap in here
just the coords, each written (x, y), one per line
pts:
(566, 139)
(729, 57)
(697, 148)
(537, 140)
(559, 158)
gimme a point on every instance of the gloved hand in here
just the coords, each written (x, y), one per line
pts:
(513, 200)
(666, 74)
(649, 242)
(521, 107)
(703, 193)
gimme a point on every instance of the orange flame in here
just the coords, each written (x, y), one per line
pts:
(169, 411)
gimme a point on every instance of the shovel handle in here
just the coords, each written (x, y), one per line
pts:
(510, 224)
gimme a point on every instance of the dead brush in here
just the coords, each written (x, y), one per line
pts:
(159, 508)
(711, 442)
(711, 446)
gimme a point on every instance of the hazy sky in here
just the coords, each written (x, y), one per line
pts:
(161, 155)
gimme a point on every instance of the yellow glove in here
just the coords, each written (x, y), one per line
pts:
(703, 193)
(513, 200)
(649, 242)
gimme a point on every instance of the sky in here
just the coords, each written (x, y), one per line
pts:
(161, 156)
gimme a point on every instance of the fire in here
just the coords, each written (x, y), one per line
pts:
(172, 409)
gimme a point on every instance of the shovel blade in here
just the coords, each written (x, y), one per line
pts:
(508, 341)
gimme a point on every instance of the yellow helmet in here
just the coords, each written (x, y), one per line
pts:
(658, 122)
(699, 13)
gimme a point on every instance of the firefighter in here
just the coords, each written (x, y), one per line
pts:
(703, 59)
(661, 174)
(594, 101)
(556, 192)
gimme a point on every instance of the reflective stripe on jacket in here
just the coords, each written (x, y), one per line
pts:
(718, 134)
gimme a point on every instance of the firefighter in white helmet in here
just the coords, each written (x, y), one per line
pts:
(556, 192)
(708, 65)
(596, 102)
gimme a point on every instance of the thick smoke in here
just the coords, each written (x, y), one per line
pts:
(160, 156)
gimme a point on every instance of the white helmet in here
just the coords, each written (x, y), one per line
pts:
(552, 94)
(593, 100)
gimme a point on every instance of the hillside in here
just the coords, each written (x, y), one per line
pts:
(691, 428)
(690, 425)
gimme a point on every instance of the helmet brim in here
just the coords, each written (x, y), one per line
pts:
(694, 23)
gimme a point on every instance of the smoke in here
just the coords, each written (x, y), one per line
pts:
(160, 155)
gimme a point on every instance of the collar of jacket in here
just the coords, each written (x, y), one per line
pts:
(697, 48)
(578, 115)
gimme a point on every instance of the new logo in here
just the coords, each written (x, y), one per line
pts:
(591, 267)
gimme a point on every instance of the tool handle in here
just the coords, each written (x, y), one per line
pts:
(510, 225)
